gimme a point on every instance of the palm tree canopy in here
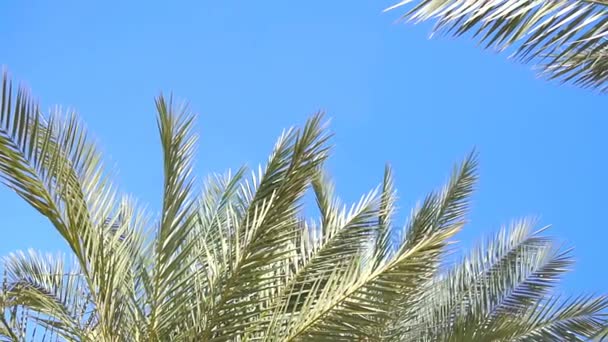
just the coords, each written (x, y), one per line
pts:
(565, 38)
(237, 261)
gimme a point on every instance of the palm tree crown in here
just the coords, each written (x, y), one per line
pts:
(238, 262)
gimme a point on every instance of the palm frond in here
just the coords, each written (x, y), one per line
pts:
(554, 318)
(214, 246)
(503, 278)
(567, 38)
(352, 304)
(270, 223)
(601, 335)
(384, 243)
(325, 252)
(440, 212)
(13, 320)
(54, 290)
(170, 282)
(51, 163)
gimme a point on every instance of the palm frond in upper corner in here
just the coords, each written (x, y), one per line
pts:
(566, 38)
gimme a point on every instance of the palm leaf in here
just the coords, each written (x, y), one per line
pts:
(51, 163)
(384, 241)
(352, 304)
(573, 319)
(325, 252)
(492, 294)
(213, 238)
(567, 38)
(169, 284)
(54, 290)
(270, 222)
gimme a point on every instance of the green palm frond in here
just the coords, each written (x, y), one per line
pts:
(214, 247)
(447, 208)
(384, 243)
(493, 294)
(14, 319)
(555, 318)
(440, 212)
(168, 284)
(325, 252)
(53, 289)
(50, 162)
(567, 38)
(351, 303)
(262, 238)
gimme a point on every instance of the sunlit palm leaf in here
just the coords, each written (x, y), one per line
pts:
(268, 226)
(351, 305)
(491, 294)
(53, 289)
(170, 285)
(568, 38)
(384, 240)
(213, 238)
(558, 319)
(325, 252)
(51, 163)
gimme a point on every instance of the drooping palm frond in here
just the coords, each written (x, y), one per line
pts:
(567, 38)
(55, 290)
(14, 320)
(51, 163)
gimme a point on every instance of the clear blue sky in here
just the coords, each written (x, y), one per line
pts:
(253, 68)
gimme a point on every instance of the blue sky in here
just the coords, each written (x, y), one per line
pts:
(253, 68)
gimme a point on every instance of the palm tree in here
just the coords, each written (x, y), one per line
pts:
(238, 262)
(565, 38)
